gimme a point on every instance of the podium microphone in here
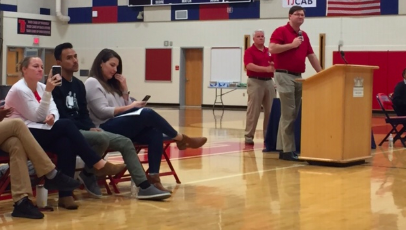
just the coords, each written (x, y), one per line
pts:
(342, 54)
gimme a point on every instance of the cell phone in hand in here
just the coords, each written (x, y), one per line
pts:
(57, 69)
(146, 98)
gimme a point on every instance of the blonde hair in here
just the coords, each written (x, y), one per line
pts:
(24, 64)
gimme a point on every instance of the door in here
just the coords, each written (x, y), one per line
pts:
(14, 57)
(48, 62)
(194, 77)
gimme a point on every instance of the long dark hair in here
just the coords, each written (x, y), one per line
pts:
(112, 85)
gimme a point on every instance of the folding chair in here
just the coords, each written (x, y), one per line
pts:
(5, 194)
(385, 103)
(124, 176)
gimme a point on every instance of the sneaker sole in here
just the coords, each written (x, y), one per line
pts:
(46, 185)
(90, 192)
(27, 216)
(154, 197)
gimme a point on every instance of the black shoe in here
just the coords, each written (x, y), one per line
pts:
(61, 182)
(291, 156)
(26, 209)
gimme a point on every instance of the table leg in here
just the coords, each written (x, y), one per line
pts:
(215, 99)
(219, 96)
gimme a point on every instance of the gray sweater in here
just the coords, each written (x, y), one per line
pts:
(101, 103)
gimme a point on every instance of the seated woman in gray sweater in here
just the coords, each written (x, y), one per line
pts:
(107, 96)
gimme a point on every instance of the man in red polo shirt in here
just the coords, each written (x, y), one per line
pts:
(260, 86)
(290, 46)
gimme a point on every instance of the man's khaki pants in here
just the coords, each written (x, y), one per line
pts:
(290, 94)
(259, 93)
(17, 141)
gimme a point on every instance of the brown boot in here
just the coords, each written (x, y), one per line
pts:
(109, 169)
(67, 202)
(156, 181)
(191, 142)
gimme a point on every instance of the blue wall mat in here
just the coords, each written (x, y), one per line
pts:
(128, 14)
(7, 7)
(45, 11)
(80, 15)
(104, 2)
(244, 10)
(390, 6)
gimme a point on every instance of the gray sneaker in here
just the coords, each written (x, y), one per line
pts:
(90, 183)
(249, 140)
(152, 193)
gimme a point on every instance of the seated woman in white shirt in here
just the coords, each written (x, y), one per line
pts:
(32, 102)
(107, 96)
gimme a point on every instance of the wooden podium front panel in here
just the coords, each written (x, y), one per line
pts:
(322, 117)
(358, 114)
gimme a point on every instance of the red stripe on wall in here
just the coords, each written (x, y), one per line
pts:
(105, 14)
(213, 11)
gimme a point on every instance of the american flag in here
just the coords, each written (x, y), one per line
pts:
(353, 7)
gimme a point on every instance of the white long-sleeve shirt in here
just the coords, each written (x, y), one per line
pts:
(26, 106)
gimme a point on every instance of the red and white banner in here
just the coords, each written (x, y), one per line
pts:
(353, 7)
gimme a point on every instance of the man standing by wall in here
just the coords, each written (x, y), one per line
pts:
(290, 46)
(260, 87)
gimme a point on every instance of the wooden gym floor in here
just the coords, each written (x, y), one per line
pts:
(227, 185)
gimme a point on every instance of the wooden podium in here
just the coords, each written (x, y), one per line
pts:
(336, 115)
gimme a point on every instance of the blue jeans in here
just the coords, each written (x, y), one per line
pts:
(65, 140)
(146, 128)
